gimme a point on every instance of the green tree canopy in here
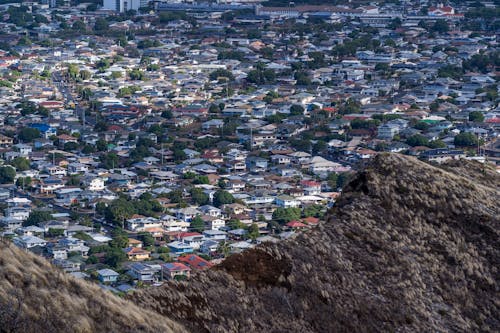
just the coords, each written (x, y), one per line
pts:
(465, 139)
(38, 216)
(7, 174)
(285, 215)
(476, 116)
(20, 163)
(222, 197)
(197, 224)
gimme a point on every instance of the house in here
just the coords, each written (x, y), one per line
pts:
(5, 141)
(216, 235)
(27, 242)
(193, 240)
(210, 210)
(107, 275)
(175, 270)
(96, 184)
(195, 262)
(209, 246)
(145, 272)
(67, 266)
(296, 225)
(187, 214)
(132, 242)
(65, 138)
(287, 201)
(75, 168)
(281, 159)
(135, 253)
(441, 155)
(139, 223)
(387, 131)
(256, 164)
(180, 247)
(212, 222)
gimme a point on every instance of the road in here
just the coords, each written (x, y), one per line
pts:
(69, 96)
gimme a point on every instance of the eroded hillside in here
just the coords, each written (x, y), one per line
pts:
(409, 247)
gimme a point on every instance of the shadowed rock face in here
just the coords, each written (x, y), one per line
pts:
(409, 247)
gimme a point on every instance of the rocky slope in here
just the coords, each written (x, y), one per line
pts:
(409, 247)
(36, 297)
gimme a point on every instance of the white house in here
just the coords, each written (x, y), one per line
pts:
(287, 201)
(27, 242)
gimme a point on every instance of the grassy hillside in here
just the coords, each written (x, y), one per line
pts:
(36, 297)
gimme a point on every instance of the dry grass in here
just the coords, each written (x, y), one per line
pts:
(36, 297)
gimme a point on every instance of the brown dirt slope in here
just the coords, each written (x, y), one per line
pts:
(36, 297)
(409, 247)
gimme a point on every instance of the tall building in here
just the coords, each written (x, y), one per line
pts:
(124, 5)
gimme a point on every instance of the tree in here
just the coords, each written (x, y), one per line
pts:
(313, 210)
(253, 231)
(476, 116)
(437, 144)
(284, 215)
(417, 140)
(197, 224)
(147, 239)
(120, 239)
(37, 216)
(343, 179)
(302, 78)
(20, 163)
(91, 260)
(235, 224)
(109, 161)
(7, 174)
(296, 110)
(136, 74)
(224, 248)
(85, 75)
(55, 232)
(222, 197)
(79, 26)
(440, 26)
(70, 146)
(101, 24)
(221, 73)
(23, 182)
(101, 145)
(199, 197)
(465, 139)
(29, 134)
(114, 257)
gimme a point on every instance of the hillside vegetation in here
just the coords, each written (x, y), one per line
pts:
(409, 247)
(36, 297)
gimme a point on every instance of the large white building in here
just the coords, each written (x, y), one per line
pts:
(124, 5)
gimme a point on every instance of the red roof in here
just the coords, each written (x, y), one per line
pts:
(182, 234)
(310, 183)
(66, 137)
(311, 220)
(296, 224)
(195, 261)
